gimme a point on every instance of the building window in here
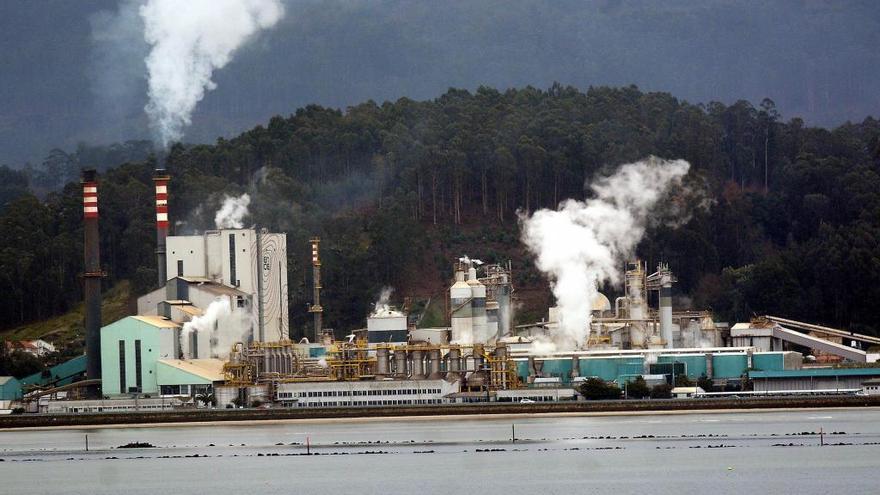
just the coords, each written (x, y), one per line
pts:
(121, 366)
(137, 365)
(232, 280)
(179, 268)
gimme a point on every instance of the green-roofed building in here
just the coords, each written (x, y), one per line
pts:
(139, 355)
(10, 388)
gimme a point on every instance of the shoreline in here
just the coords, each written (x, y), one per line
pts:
(438, 417)
(256, 417)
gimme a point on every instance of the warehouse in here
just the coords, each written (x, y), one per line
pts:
(139, 355)
(835, 379)
(364, 393)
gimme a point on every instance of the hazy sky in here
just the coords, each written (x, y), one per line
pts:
(73, 71)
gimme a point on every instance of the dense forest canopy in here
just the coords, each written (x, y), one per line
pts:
(398, 190)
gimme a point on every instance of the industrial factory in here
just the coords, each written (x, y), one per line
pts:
(215, 331)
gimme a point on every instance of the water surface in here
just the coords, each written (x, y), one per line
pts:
(732, 452)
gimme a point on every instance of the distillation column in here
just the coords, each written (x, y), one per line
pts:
(316, 309)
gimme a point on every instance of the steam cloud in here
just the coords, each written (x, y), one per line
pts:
(584, 243)
(189, 41)
(217, 330)
(232, 212)
(383, 305)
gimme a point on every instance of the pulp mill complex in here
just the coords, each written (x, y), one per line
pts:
(216, 327)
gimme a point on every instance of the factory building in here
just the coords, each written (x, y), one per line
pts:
(480, 308)
(387, 326)
(140, 357)
(250, 261)
(365, 393)
(812, 379)
(722, 365)
(632, 323)
(10, 390)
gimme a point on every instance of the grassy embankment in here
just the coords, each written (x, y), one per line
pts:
(66, 331)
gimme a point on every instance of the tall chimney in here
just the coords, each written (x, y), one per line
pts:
(161, 178)
(92, 278)
(316, 308)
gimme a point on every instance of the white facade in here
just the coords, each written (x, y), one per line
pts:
(250, 261)
(392, 321)
(365, 393)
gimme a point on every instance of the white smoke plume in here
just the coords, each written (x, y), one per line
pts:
(232, 212)
(584, 243)
(382, 307)
(216, 330)
(189, 40)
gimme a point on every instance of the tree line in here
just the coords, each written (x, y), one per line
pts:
(397, 188)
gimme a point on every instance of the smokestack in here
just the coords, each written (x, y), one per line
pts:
(316, 308)
(92, 279)
(666, 280)
(161, 178)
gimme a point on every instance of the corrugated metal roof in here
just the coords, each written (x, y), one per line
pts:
(190, 310)
(815, 372)
(195, 280)
(157, 321)
(209, 369)
(222, 290)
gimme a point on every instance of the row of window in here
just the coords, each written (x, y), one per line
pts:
(358, 393)
(183, 389)
(116, 408)
(389, 402)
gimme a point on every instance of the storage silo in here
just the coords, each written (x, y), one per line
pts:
(460, 298)
(478, 306)
(492, 330)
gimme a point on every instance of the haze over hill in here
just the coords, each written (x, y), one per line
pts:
(73, 72)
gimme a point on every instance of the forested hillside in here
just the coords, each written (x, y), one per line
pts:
(397, 190)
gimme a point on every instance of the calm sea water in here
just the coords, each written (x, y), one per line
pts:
(646, 454)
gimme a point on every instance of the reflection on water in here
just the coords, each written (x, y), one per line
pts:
(657, 454)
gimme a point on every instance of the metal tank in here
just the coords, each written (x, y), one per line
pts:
(434, 364)
(453, 364)
(382, 363)
(477, 378)
(400, 363)
(636, 304)
(492, 331)
(226, 395)
(258, 394)
(418, 364)
(666, 305)
(460, 296)
(478, 307)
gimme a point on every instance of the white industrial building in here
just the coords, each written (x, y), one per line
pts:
(365, 393)
(247, 266)
(387, 326)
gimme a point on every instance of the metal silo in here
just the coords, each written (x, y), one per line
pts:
(460, 296)
(478, 307)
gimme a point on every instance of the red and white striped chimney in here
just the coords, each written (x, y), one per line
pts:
(92, 278)
(161, 179)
